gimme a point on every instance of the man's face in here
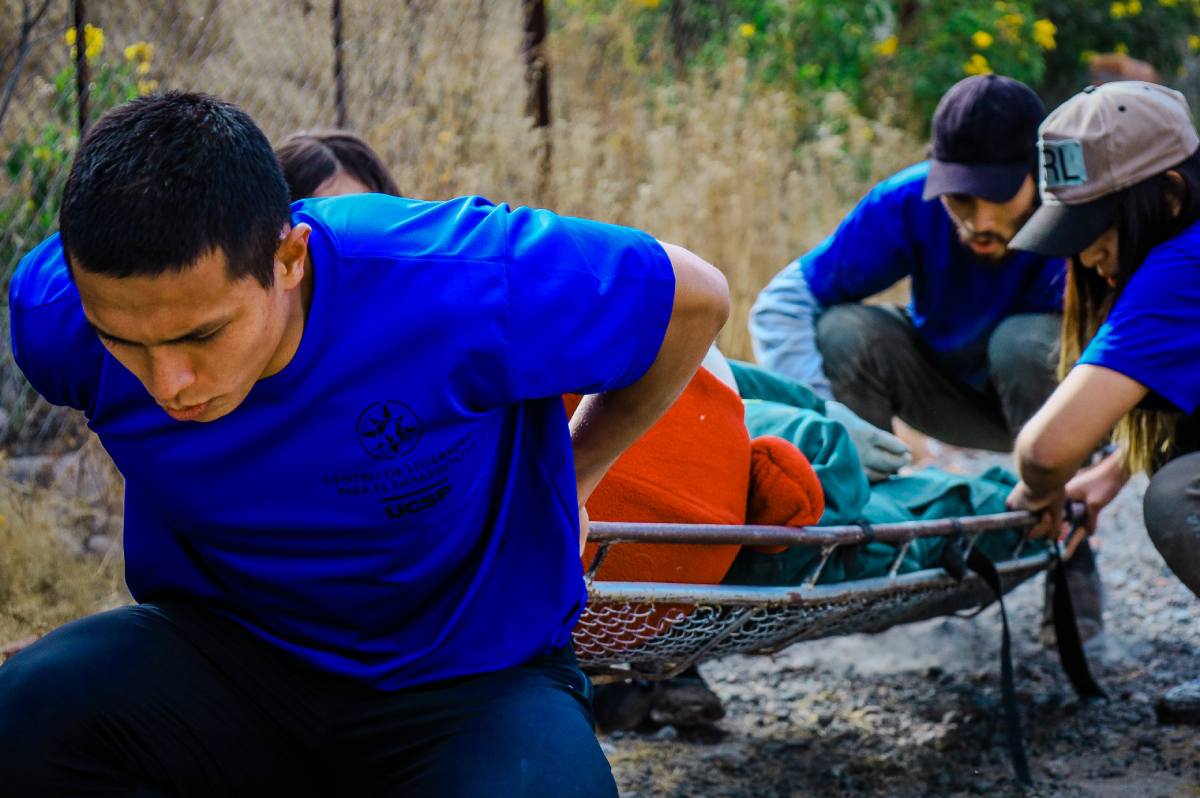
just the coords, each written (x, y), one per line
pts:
(197, 340)
(986, 227)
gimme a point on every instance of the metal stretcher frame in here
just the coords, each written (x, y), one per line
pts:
(656, 630)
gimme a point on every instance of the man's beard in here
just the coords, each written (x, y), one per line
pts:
(968, 237)
(985, 238)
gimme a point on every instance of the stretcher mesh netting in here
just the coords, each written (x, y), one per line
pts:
(659, 629)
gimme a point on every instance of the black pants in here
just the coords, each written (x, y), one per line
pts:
(1172, 513)
(167, 699)
(879, 367)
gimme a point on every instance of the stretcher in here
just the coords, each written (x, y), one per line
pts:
(656, 630)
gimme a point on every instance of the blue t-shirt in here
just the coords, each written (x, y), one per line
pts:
(1152, 333)
(958, 300)
(398, 504)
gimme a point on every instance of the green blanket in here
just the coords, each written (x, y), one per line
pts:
(787, 409)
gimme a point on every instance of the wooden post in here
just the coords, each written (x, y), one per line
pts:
(537, 81)
(82, 78)
(339, 78)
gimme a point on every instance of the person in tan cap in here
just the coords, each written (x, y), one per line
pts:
(1120, 188)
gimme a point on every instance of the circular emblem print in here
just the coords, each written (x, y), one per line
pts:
(388, 430)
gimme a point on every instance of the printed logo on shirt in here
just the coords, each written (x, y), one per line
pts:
(388, 430)
(418, 500)
(408, 485)
(1062, 163)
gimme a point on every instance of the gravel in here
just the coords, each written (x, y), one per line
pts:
(914, 711)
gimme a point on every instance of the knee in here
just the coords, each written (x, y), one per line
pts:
(37, 706)
(1025, 347)
(848, 334)
(43, 688)
(1171, 511)
(67, 682)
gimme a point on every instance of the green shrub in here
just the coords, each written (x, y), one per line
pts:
(905, 53)
(37, 162)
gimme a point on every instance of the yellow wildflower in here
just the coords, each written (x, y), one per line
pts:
(646, 3)
(93, 41)
(41, 153)
(982, 39)
(1118, 10)
(1121, 48)
(147, 86)
(142, 52)
(1194, 43)
(978, 65)
(747, 29)
(1010, 26)
(1134, 7)
(887, 47)
(1087, 56)
(1168, 3)
(143, 68)
(1043, 34)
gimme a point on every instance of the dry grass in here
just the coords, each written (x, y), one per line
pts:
(46, 579)
(438, 87)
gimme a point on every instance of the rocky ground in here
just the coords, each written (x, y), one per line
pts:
(913, 711)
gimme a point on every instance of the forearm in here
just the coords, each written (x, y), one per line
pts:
(783, 328)
(606, 424)
(1076, 419)
(1042, 479)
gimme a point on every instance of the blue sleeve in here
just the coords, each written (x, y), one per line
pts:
(1151, 335)
(52, 343)
(589, 304)
(871, 250)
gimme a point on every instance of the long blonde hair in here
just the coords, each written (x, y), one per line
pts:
(1145, 219)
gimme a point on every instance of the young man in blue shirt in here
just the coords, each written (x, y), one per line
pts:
(973, 355)
(353, 502)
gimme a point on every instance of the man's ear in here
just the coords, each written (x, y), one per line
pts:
(291, 256)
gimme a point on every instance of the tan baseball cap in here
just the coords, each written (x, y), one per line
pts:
(1102, 140)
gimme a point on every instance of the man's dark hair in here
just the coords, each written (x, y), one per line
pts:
(311, 158)
(163, 180)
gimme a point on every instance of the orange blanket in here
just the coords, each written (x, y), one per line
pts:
(698, 465)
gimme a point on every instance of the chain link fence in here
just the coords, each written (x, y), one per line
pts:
(418, 78)
(458, 97)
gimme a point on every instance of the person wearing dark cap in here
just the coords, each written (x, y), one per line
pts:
(972, 356)
(1120, 187)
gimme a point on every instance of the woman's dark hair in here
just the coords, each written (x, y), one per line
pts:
(1144, 220)
(309, 158)
(163, 180)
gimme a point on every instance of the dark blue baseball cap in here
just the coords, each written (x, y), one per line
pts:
(984, 138)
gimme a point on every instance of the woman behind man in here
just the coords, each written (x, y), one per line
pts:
(1121, 198)
(327, 163)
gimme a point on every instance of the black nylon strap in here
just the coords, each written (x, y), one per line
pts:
(1066, 631)
(956, 564)
(978, 562)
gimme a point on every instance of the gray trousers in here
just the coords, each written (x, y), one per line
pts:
(1172, 512)
(878, 365)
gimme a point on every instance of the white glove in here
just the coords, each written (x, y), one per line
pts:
(881, 453)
